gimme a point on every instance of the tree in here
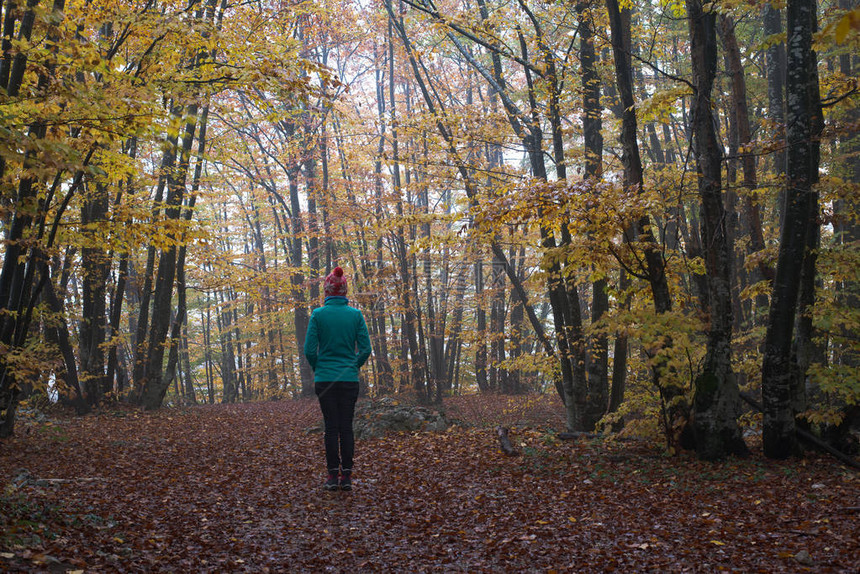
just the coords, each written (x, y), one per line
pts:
(717, 404)
(653, 268)
(803, 128)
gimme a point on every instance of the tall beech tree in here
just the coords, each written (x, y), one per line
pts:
(717, 404)
(803, 129)
(592, 124)
(652, 265)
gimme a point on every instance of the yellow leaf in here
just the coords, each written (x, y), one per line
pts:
(846, 23)
(842, 29)
(718, 543)
(571, 518)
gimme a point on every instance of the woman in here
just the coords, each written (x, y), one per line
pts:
(336, 346)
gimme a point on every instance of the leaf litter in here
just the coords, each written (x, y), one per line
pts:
(238, 488)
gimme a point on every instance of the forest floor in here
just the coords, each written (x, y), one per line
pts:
(230, 488)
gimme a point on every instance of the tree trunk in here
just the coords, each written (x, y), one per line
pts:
(378, 312)
(740, 113)
(116, 304)
(154, 384)
(301, 317)
(223, 320)
(592, 125)
(775, 61)
(409, 321)
(498, 313)
(454, 343)
(619, 353)
(481, 318)
(435, 318)
(145, 291)
(95, 266)
(515, 375)
(206, 321)
(10, 19)
(717, 404)
(58, 333)
(313, 226)
(803, 117)
(181, 316)
(654, 266)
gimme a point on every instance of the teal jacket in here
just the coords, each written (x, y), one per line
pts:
(337, 343)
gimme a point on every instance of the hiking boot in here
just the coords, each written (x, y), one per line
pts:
(346, 480)
(331, 483)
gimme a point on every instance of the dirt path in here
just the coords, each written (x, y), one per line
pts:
(237, 488)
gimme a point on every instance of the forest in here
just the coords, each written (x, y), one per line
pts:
(621, 235)
(647, 209)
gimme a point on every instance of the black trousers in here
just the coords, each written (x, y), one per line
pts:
(337, 401)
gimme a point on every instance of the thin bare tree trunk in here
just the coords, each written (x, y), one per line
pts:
(740, 114)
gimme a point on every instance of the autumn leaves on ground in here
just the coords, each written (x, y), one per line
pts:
(237, 488)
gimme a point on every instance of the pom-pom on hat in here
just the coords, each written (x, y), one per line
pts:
(335, 284)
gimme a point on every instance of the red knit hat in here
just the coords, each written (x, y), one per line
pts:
(335, 283)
